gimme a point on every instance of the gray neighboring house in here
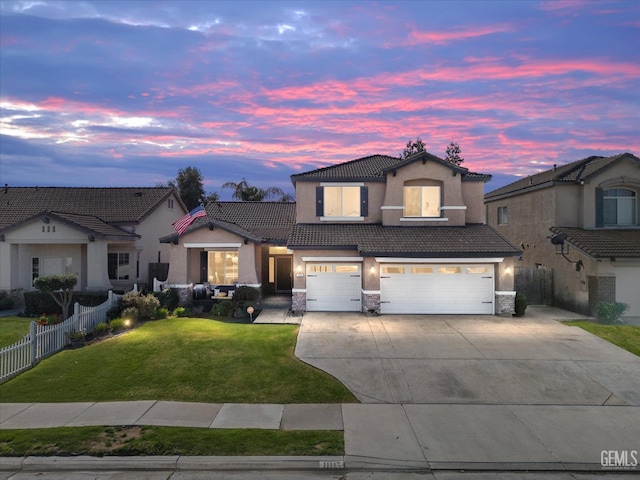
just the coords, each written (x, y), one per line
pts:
(108, 237)
(590, 209)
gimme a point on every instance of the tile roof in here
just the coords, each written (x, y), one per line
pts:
(256, 221)
(603, 243)
(375, 239)
(375, 168)
(570, 173)
(115, 206)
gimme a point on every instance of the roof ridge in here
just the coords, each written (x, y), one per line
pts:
(321, 169)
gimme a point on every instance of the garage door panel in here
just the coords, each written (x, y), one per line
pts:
(334, 287)
(437, 289)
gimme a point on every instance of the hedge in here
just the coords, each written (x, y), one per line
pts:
(37, 303)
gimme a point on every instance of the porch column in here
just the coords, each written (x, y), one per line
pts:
(178, 256)
(97, 266)
(8, 264)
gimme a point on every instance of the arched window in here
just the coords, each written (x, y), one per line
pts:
(619, 207)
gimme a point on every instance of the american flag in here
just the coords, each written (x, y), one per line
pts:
(182, 224)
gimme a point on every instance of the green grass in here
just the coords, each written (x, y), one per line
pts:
(167, 441)
(13, 329)
(624, 336)
(182, 359)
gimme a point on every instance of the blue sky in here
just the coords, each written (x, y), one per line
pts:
(125, 93)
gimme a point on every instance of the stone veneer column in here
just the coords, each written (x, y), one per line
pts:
(371, 302)
(298, 301)
(505, 303)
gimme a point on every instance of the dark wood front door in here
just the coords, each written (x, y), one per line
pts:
(284, 281)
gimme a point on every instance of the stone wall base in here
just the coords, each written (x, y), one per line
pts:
(505, 303)
(371, 303)
(298, 302)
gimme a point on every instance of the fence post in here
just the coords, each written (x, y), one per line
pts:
(76, 316)
(110, 298)
(33, 329)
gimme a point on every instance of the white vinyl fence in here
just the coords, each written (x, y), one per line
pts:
(45, 340)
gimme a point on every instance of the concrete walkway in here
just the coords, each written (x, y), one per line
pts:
(377, 437)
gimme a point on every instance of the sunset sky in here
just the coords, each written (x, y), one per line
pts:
(125, 93)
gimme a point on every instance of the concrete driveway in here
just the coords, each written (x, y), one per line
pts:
(463, 359)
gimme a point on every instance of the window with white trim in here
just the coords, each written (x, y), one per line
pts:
(619, 207)
(422, 201)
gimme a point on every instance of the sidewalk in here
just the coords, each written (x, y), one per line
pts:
(377, 436)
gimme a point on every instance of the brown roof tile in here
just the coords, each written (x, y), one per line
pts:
(375, 239)
(603, 243)
(115, 206)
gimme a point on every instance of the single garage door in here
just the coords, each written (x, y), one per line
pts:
(432, 288)
(334, 287)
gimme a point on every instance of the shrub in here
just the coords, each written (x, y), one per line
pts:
(101, 329)
(609, 313)
(6, 302)
(168, 298)
(180, 312)
(223, 309)
(146, 305)
(114, 312)
(244, 294)
(117, 325)
(162, 313)
(521, 304)
(130, 312)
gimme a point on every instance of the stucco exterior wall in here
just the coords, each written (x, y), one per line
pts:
(472, 198)
(185, 262)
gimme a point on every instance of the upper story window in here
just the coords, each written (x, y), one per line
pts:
(422, 201)
(342, 202)
(170, 203)
(502, 215)
(619, 207)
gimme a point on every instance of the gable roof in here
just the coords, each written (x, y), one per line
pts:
(609, 243)
(113, 206)
(573, 172)
(256, 221)
(375, 168)
(377, 240)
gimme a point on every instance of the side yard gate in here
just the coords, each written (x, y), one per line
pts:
(536, 284)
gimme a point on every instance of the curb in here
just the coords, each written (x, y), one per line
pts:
(156, 463)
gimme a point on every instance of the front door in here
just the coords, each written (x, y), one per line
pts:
(284, 282)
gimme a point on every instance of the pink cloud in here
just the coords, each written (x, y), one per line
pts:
(417, 37)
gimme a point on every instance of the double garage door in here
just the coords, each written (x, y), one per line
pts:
(404, 288)
(423, 288)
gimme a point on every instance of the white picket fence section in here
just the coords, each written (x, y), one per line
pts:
(45, 340)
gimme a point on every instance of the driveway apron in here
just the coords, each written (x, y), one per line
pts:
(463, 359)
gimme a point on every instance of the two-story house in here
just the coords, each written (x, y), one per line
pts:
(375, 234)
(397, 236)
(106, 236)
(580, 221)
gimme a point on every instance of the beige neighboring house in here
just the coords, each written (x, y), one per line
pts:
(108, 237)
(398, 236)
(589, 208)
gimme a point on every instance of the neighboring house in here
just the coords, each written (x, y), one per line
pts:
(237, 243)
(108, 237)
(590, 210)
(398, 236)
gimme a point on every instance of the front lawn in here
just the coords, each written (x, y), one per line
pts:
(13, 329)
(134, 440)
(182, 359)
(624, 336)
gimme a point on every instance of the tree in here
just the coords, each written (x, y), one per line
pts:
(412, 148)
(246, 192)
(453, 154)
(189, 185)
(60, 287)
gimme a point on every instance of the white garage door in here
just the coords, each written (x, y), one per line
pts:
(426, 288)
(628, 289)
(334, 287)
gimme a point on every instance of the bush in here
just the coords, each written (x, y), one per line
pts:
(521, 304)
(168, 298)
(6, 302)
(162, 313)
(180, 312)
(130, 312)
(38, 302)
(244, 294)
(101, 329)
(146, 305)
(609, 313)
(117, 325)
(223, 308)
